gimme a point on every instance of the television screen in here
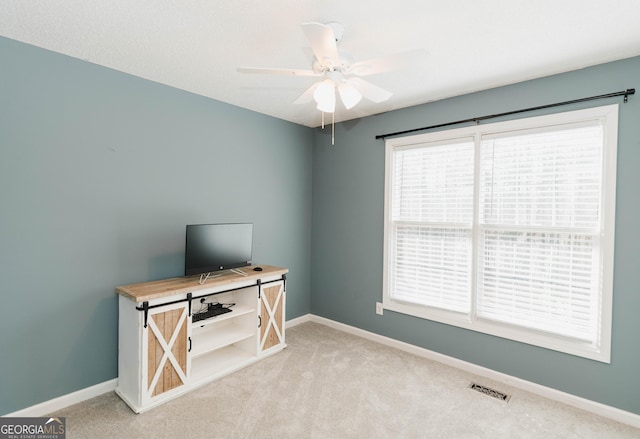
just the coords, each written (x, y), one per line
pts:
(215, 247)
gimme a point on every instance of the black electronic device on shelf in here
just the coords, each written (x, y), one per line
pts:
(213, 310)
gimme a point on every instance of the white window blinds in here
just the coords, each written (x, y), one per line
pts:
(507, 229)
(432, 213)
(540, 228)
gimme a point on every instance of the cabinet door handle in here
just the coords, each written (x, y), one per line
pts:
(259, 321)
(189, 344)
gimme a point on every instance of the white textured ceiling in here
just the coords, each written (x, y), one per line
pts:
(196, 45)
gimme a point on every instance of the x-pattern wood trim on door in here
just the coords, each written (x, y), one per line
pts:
(167, 351)
(271, 317)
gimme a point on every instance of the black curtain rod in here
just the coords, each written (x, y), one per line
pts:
(624, 93)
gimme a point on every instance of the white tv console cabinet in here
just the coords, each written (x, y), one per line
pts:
(162, 354)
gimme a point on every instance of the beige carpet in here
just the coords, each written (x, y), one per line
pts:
(328, 384)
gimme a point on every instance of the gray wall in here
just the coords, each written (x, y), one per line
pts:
(100, 171)
(348, 196)
(99, 174)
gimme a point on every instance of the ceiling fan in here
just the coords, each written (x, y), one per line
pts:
(338, 73)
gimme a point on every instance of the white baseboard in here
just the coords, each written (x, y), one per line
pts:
(616, 414)
(294, 322)
(53, 405)
(547, 392)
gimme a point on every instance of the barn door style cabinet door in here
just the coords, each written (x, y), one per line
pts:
(165, 343)
(272, 306)
(163, 352)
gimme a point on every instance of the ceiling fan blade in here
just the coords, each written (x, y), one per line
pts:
(370, 91)
(322, 41)
(414, 59)
(269, 71)
(307, 96)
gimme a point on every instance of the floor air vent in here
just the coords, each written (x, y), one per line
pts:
(490, 392)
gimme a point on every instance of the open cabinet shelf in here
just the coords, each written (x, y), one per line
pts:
(223, 361)
(214, 337)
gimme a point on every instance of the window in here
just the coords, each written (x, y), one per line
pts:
(507, 229)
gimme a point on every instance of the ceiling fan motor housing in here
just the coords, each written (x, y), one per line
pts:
(341, 64)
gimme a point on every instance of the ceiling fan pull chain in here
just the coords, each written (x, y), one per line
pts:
(333, 130)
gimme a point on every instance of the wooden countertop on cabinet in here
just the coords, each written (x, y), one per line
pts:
(147, 291)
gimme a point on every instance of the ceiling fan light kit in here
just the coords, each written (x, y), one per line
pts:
(349, 95)
(325, 96)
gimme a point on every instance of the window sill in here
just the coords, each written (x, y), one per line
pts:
(532, 337)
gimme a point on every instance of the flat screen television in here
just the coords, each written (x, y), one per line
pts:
(216, 247)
